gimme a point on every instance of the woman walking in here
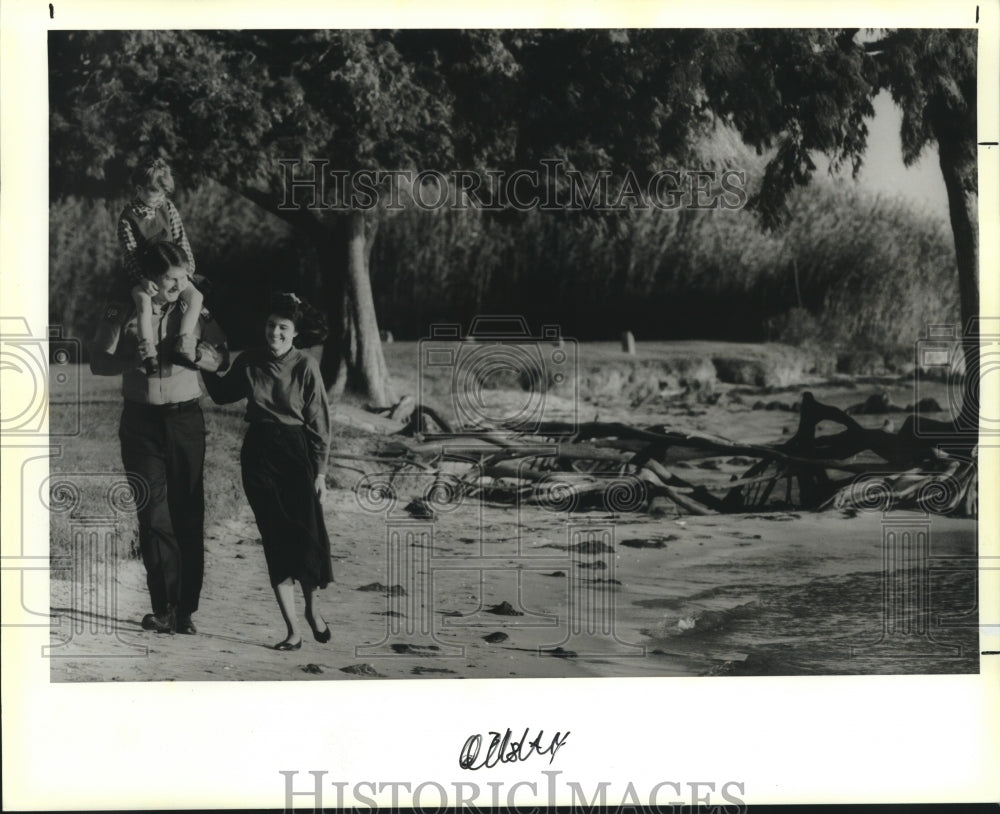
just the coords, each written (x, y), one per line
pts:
(284, 455)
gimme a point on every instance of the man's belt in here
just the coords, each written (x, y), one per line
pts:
(179, 407)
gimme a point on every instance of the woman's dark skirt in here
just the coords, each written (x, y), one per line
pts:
(278, 478)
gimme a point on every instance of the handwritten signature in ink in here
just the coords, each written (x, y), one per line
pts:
(502, 749)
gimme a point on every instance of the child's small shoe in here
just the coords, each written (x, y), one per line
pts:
(185, 351)
(148, 357)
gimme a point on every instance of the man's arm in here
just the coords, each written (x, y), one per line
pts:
(104, 364)
(107, 358)
(230, 388)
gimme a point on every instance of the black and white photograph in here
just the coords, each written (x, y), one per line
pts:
(404, 354)
(521, 353)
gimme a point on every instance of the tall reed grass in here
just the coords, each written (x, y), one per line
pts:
(243, 251)
(846, 270)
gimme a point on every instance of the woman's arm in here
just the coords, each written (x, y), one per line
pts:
(316, 412)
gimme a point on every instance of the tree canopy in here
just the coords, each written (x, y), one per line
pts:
(230, 105)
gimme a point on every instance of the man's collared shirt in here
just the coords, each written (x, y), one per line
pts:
(117, 335)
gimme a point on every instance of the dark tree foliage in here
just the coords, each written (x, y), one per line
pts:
(228, 105)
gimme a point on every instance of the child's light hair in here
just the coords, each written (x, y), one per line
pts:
(154, 173)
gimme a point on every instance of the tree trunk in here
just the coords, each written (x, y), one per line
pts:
(352, 358)
(958, 165)
(332, 250)
(352, 354)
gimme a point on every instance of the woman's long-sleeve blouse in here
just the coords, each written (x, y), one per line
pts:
(287, 390)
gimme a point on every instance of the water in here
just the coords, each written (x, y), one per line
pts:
(828, 626)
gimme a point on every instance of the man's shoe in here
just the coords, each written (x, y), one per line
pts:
(160, 622)
(185, 625)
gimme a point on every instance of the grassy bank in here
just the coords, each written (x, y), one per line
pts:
(670, 382)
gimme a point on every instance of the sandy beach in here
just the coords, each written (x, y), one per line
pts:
(484, 590)
(662, 576)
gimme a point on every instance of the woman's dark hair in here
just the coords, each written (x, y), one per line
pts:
(155, 259)
(309, 323)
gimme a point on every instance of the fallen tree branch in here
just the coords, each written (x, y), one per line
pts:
(579, 461)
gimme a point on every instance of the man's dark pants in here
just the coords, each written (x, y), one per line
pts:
(163, 450)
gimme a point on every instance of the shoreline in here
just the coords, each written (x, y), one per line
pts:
(661, 594)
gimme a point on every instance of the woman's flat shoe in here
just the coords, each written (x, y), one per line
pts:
(288, 645)
(323, 637)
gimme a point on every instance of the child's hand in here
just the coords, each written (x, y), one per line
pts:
(145, 288)
(146, 349)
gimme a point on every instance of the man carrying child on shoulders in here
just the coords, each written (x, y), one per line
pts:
(162, 434)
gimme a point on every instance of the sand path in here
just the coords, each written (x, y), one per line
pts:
(620, 610)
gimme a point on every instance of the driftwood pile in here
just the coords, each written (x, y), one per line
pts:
(927, 466)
